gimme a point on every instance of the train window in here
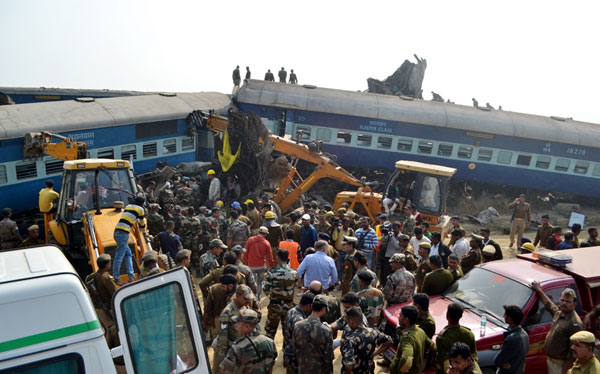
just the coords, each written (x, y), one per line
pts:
(324, 135)
(4, 178)
(154, 129)
(169, 146)
(305, 132)
(26, 170)
(425, 146)
(187, 144)
(128, 151)
(106, 153)
(581, 167)
(149, 150)
(405, 145)
(484, 155)
(445, 150)
(344, 137)
(504, 157)
(542, 162)
(596, 172)
(465, 152)
(363, 140)
(384, 142)
(523, 160)
(562, 164)
(54, 166)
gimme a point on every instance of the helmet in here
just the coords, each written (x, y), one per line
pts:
(269, 215)
(528, 247)
(211, 172)
(219, 203)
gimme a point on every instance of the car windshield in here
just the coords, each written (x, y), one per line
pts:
(487, 292)
(114, 185)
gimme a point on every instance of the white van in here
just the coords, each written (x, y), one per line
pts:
(48, 323)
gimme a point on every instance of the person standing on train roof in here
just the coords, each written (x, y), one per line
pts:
(293, 77)
(248, 73)
(47, 196)
(282, 75)
(214, 190)
(269, 77)
(521, 217)
(236, 78)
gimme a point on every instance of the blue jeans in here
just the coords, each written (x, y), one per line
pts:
(370, 255)
(259, 275)
(339, 264)
(123, 251)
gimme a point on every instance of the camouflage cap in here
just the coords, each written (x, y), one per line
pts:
(104, 257)
(238, 250)
(246, 315)
(244, 290)
(321, 299)
(568, 293)
(397, 257)
(217, 243)
(583, 337)
(184, 253)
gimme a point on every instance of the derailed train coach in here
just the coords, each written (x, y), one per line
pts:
(146, 128)
(493, 146)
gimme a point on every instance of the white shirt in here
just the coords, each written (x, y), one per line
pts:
(435, 250)
(461, 247)
(414, 242)
(214, 191)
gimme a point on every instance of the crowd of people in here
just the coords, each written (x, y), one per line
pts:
(242, 252)
(269, 77)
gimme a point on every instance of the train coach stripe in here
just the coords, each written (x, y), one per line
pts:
(49, 335)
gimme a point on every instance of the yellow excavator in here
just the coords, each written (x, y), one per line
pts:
(93, 193)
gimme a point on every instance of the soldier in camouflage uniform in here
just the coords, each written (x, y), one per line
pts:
(400, 285)
(9, 231)
(451, 334)
(294, 315)
(237, 232)
(424, 267)
(407, 221)
(208, 261)
(213, 277)
(360, 263)
(243, 268)
(151, 193)
(349, 247)
(280, 283)
(371, 299)
(349, 300)
(183, 192)
(227, 332)
(333, 303)
(361, 344)
(253, 352)
(220, 221)
(414, 345)
(193, 241)
(156, 222)
(165, 196)
(313, 341)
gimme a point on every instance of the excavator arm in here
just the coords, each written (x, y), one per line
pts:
(38, 144)
(325, 166)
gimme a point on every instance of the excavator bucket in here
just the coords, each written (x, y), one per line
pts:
(34, 146)
(226, 158)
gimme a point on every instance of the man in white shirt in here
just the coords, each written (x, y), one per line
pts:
(417, 239)
(214, 190)
(460, 245)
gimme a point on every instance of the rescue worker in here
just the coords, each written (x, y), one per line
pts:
(217, 298)
(565, 323)
(313, 341)
(269, 77)
(150, 265)
(294, 315)
(450, 335)
(413, 346)
(400, 285)
(34, 237)
(258, 252)
(282, 75)
(229, 260)
(371, 299)
(170, 243)
(237, 79)
(253, 352)
(293, 77)
(521, 217)
(243, 268)
(9, 231)
(47, 196)
(254, 215)
(474, 256)
(280, 283)
(214, 190)
(248, 73)
(275, 234)
(410, 263)
(333, 303)
(156, 222)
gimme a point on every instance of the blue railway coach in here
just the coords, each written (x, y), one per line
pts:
(494, 146)
(149, 128)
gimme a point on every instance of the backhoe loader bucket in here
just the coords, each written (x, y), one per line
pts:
(226, 158)
(34, 145)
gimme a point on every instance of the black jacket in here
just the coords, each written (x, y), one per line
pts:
(514, 350)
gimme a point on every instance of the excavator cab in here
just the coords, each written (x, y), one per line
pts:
(425, 185)
(92, 196)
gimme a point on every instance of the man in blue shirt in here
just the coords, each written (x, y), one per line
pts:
(169, 241)
(568, 242)
(318, 266)
(308, 234)
(511, 359)
(367, 241)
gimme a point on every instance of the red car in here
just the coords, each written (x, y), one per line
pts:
(490, 286)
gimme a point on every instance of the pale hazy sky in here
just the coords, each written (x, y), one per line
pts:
(539, 57)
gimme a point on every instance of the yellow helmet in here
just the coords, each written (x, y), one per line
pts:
(528, 247)
(269, 215)
(249, 201)
(220, 203)
(211, 172)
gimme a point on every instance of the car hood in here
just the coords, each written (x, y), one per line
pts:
(438, 306)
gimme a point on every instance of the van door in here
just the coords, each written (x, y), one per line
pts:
(158, 324)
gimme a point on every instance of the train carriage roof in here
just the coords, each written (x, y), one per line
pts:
(71, 115)
(394, 108)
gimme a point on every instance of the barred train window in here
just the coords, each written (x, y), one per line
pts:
(465, 152)
(324, 135)
(523, 160)
(187, 144)
(562, 164)
(581, 167)
(596, 171)
(169, 146)
(425, 147)
(53, 166)
(106, 153)
(26, 170)
(363, 140)
(384, 142)
(149, 150)
(344, 137)
(445, 150)
(3, 177)
(485, 155)
(405, 144)
(543, 162)
(127, 151)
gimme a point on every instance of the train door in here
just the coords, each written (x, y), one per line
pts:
(279, 122)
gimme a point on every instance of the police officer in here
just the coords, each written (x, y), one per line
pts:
(413, 345)
(279, 285)
(33, 238)
(410, 263)
(9, 231)
(425, 320)
(454, 267)
(349, 247)
(371, 299)
(400, 285)
(474, 256)
(294, 315)
(101, 284)
(361, 344)
(313, 341)
(565, 323)
(438, 280)
(229, 260)
(150, 264)
(462, 361)
(451, 334)
(424, 266)
(217, 298)
(253, 352)
(582, 346)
